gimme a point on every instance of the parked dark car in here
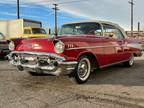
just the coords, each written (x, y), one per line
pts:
(4, 49)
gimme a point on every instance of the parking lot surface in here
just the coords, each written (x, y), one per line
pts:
(112, 87)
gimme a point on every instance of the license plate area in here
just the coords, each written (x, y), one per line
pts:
(30, 58)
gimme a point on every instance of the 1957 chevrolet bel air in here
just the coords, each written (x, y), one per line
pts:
(79, 49)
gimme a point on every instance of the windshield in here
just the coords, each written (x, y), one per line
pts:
(81, 28)
(38, 31)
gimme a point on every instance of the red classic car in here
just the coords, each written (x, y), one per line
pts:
(79, 49)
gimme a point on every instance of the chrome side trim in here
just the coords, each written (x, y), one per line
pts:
(113, 63)
(93, 47)
(38, 54)
(138, 46)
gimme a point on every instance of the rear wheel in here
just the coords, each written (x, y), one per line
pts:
(83, 70)
(130, 62)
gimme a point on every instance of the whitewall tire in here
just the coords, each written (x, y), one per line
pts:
(83, 70)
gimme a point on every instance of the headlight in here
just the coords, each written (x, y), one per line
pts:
(11, 46)
(59, 47)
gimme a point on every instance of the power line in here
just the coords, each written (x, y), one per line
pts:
(74, 1)
(43, 1)
(56, 2)
(61, 3)
(56, 9)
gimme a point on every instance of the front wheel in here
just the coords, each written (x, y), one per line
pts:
(130, 62)
(83, 70)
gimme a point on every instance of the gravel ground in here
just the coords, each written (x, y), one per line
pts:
(112, 87)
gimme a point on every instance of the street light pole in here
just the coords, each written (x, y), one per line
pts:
(132, 15)
(56, 9)
(18, 10)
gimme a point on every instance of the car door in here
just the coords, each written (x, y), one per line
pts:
(113, 44)
(126, 50)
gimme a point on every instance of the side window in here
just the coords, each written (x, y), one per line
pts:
(88, 28)
(27, 31)
(82, 28)
(111, 31)
(98, 31)
(119, 34)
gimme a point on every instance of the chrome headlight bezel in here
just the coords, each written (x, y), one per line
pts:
(59, 47)
(11, 46)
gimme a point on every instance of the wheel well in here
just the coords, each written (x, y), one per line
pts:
(92, 58)
(135, 55)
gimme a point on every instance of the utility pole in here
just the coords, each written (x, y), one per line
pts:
(18, 10)
(56, 9)
(138, 29)
(138, 26)
(132, 15)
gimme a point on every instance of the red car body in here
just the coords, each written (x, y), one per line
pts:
(101, 51)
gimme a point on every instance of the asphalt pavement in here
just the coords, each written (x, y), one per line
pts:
(112, 87)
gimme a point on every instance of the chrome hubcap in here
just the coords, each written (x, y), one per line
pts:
(84, 69)
(131, 61)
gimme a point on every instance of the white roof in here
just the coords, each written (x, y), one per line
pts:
(96, 21)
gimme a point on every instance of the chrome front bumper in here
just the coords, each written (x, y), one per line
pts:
(61, 67)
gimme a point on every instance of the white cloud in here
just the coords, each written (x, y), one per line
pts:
(111, 10)
(7, 13)
(24, 15)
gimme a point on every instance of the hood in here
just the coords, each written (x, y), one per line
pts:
(36, 44)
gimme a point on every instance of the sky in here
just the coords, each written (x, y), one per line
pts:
(117, 11)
